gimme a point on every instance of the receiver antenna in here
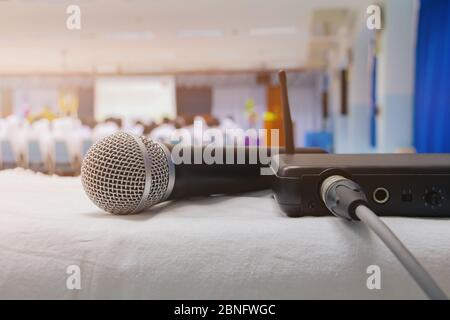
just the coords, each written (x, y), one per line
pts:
(287, 120)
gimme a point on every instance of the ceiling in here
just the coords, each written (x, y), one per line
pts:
(166, 36)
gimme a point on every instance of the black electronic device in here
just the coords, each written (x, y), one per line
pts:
(411, 185)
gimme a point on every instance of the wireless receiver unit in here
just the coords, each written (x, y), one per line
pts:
(411, 185)
(395, 184)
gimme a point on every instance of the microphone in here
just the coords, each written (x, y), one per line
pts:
(125, 174)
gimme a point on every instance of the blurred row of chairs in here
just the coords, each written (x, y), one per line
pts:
(59, 161)
(58, 146)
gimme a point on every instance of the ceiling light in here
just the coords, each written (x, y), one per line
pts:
(269, 31)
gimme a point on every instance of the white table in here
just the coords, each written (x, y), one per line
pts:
(224, 247)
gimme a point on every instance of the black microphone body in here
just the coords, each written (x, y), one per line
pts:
(203, 179)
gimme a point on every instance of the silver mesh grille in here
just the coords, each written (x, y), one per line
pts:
(113, 173)
(159, 172)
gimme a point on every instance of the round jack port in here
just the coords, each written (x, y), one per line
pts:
(381, 195)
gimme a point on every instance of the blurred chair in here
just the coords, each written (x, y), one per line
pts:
(103, 130)
(87, 143)
(15, 132)
(35, 159)
(7, 157)
(62, 163)
(136, 129)
(162, 133)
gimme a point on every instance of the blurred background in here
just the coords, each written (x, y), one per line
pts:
(72, 72)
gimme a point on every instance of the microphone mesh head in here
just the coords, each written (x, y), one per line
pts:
(114, 173)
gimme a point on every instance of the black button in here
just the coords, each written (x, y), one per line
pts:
(433, 198)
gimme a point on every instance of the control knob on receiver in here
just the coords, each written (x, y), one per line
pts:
(433, 198)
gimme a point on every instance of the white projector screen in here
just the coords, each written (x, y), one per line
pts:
(135, 98)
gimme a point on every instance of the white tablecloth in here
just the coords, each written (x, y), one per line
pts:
(223, 247)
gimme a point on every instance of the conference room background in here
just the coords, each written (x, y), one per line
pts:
(363, 76)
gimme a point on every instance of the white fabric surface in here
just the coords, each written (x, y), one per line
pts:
(224, 247)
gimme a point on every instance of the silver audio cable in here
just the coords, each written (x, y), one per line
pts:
(345, 199)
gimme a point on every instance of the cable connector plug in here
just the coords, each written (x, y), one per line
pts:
(342, 196)
(345, 199)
